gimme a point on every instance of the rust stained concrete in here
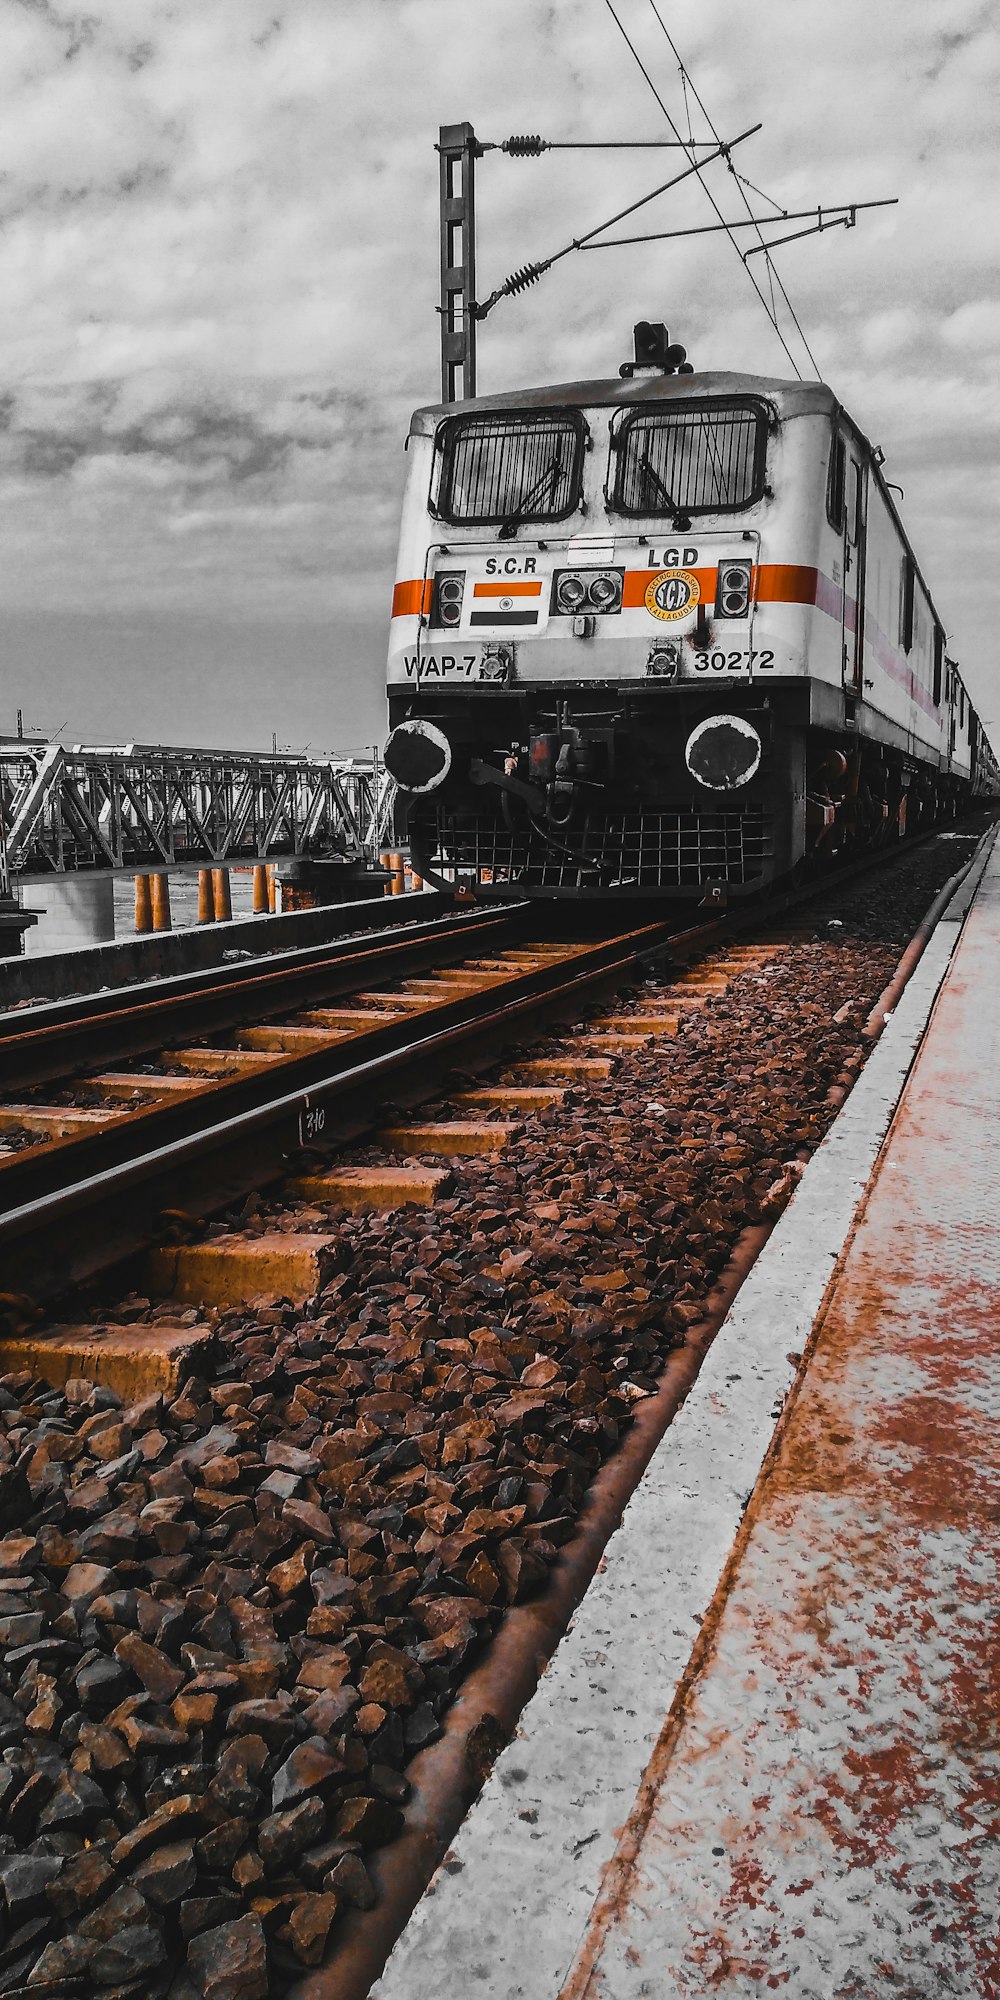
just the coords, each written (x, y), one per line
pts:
(821, 1818)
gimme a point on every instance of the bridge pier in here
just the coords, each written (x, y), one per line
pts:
(160, 899)
(143, 906)
(73, 911)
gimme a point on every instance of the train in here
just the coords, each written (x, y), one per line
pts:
(663, 635)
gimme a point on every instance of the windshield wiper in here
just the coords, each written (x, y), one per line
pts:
(511, 522)
(647, 467)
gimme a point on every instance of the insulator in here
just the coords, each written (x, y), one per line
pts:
(525, 146)
(519, 281)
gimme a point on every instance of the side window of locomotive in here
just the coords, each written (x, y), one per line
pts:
(509, 468)
(707, 458)
(907, 583)
(835, 483)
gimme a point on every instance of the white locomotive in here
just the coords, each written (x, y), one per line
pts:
(662, 635)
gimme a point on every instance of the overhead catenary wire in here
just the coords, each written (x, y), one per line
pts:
(773, 274)
(771, 314)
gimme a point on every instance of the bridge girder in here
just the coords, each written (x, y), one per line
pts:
(84, 808)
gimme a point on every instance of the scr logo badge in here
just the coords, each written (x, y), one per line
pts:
(672, 594)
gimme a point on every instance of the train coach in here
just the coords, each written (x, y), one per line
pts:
(662, 635)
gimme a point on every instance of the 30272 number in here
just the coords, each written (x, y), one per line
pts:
(733, 663)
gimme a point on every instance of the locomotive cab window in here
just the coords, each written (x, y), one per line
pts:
(507, 468)
(700, 458)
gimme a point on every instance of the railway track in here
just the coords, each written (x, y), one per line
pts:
(215, 1113)
(419, 1449)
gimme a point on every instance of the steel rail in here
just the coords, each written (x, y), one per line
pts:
(134, 1021)
(63, 1236)
(351, 923)
(165, 1148)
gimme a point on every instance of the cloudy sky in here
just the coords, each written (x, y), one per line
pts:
(218, 262)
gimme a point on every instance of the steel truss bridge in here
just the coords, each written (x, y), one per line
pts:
(140, 808)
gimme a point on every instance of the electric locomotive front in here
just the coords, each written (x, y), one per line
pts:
(605, 669)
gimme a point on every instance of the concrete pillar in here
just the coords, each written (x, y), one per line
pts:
(206, 897)
(74, 911)
(261, 890)
(143, 906)
(222, 896)
(160, 897)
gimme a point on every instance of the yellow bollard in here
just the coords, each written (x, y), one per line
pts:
(261, 890)
(398, 883)
(206, 898)
(143, 905)
(416, 881)
(272, 889)
(385, 860)
(222, 895)
(160, 897)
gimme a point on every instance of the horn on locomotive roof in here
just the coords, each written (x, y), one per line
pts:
(655, 354)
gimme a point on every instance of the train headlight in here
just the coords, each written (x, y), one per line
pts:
(418, 756)
(576, 590)
(605, 592)
(570, 592)
(723, 752)
(449, 590)
(732, 592)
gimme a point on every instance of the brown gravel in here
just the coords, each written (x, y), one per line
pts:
(228, 1621)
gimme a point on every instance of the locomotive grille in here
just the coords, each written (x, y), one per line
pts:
(647, 850)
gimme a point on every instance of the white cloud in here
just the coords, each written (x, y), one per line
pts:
(218, 259)
(890, 333)
(974, 328)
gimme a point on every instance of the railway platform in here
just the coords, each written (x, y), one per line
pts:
(765, 1757)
